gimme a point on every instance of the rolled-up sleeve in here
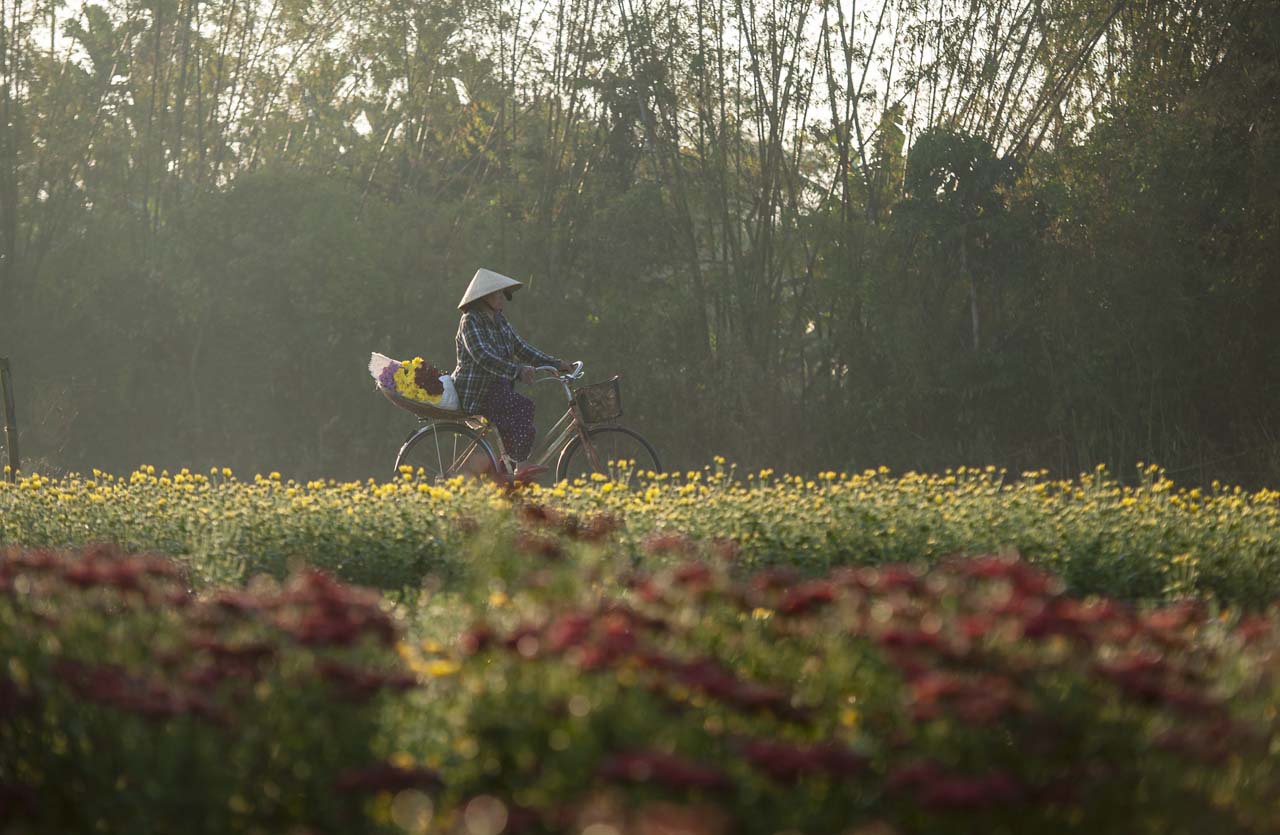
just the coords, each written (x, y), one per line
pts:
(477, 344)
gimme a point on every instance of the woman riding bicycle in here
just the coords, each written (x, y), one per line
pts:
(491, 357)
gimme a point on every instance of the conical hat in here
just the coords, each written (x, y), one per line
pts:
(485, 282)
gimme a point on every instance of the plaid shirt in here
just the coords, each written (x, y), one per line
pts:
(489, 351)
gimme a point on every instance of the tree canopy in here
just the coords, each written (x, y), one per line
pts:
(920, 233)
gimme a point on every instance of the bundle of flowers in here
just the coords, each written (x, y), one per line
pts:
(414, 380)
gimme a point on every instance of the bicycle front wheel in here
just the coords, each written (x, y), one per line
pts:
(621, 453)
(440, 451)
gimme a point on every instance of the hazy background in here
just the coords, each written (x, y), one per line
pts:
(1031, 233)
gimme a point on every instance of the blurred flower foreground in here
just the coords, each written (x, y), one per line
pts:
(555, 667)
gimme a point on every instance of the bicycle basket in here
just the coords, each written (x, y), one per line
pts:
(600, 402)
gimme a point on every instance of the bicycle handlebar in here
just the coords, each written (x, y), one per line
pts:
(555, 374)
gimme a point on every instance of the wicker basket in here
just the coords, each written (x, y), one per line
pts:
(600, 402)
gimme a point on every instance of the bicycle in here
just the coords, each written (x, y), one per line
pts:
(586, 438)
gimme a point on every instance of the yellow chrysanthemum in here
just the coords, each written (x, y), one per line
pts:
(406, 382)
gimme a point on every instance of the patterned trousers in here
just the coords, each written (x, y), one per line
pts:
(512, 415)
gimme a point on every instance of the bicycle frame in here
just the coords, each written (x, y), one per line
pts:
(569, 425)
(561, 434)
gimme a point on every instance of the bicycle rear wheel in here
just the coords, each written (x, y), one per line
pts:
(442, 450)
(621, 453)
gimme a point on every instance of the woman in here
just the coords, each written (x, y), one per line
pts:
(491, 357)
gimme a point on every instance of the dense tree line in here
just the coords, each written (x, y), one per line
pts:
(922, 233)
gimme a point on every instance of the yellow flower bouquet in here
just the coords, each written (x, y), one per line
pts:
(414, 380)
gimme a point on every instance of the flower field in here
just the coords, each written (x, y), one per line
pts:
(1145, 542)
(699, 653)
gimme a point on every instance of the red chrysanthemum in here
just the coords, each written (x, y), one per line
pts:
(428, 377)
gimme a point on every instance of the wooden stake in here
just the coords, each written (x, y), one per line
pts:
(10, 419)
